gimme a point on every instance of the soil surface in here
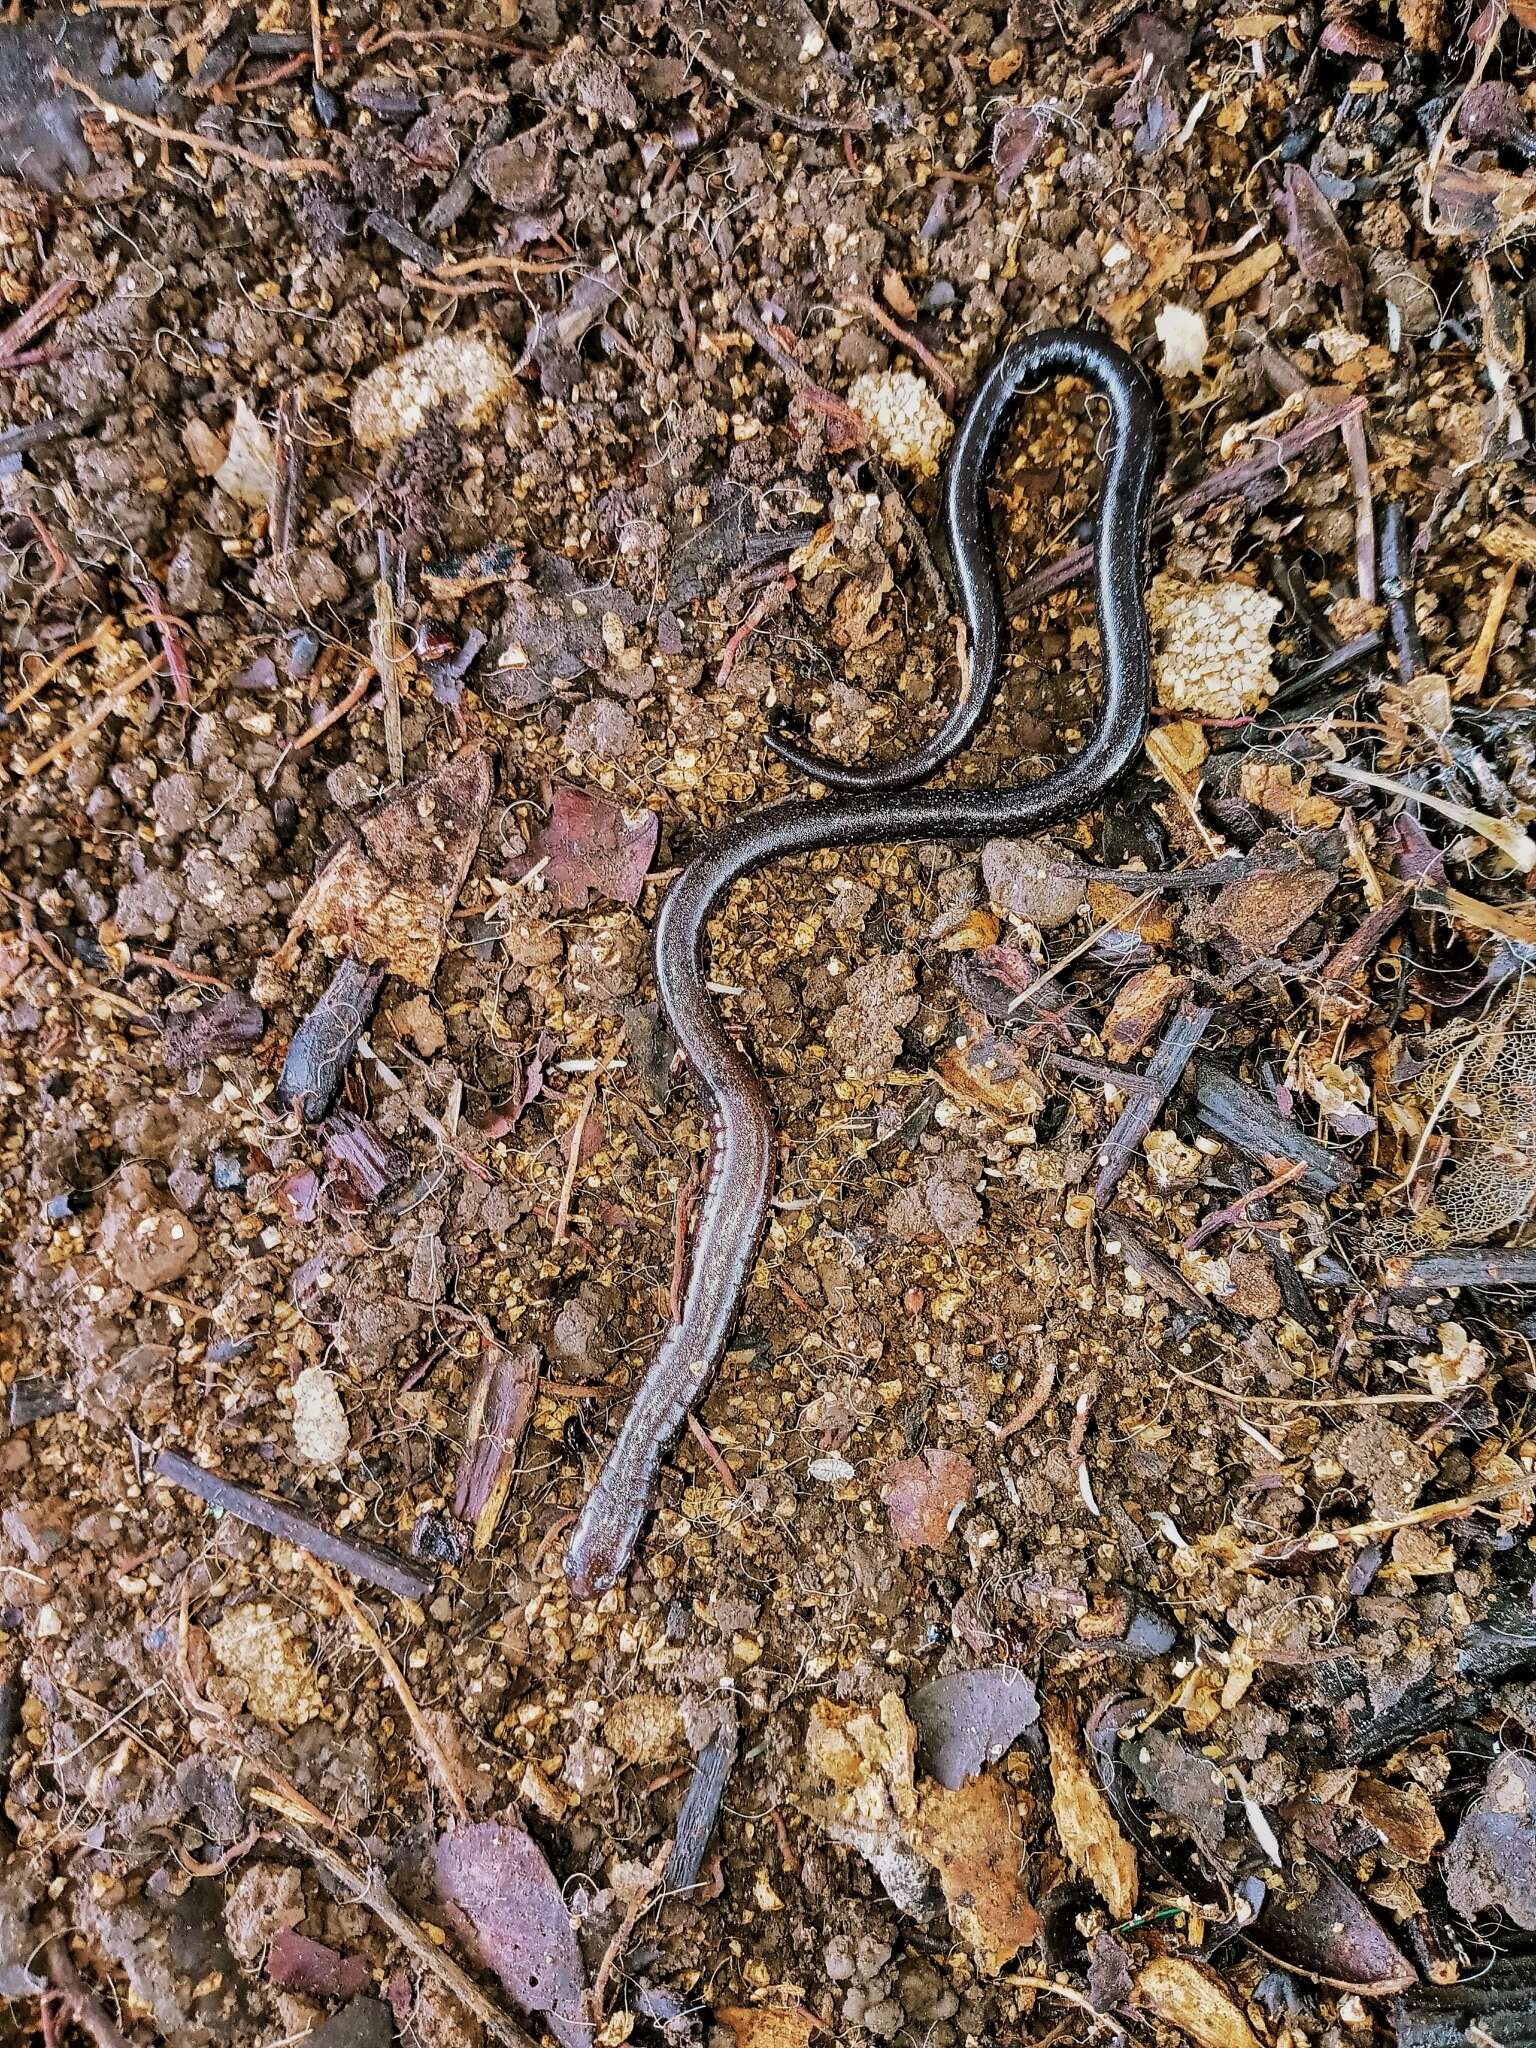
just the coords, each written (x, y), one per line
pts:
(1094, 1600)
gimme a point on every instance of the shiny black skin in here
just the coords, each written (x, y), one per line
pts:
(739, 1182)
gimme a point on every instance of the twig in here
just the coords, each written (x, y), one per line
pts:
(79, 2000)
(355, 1554)
(1174, 1053)
(1221, 483)
(386, 659)
(369, 1889)
(1326, 1540)
(1040, 1393)
(337, 712)
(1516, 845)
(1234, 1212)
(1397, 588)
(578, 1132)
(43, 309)
(1352, 434)
(1360, 947)
(865, 304)
(170, 640)
(1028, 1983)
(50, 669)
(288, 478)
(638, 1901)
(114, 700)
(1404, 1400)
(770, 599)
(289, 166)
(711, 1450)
(500, 1410)
(1475, 667)
(1077, 1437)
(432, 1749)
(1251, 1124)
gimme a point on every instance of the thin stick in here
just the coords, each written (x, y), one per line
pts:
(1405, 1400)
(1235, 1211)
(386, 659)
(432, 1749)
(337, 712)
(365, 1560)
(1475, 667)
(578, 1131)
(910, 342)
(78, 1999)
(1438, 1511)
(289, 166)
(1027, 1983)
(1177, 1048)
(1045, 1379)
(711, 1450)
(369, 1889)
(1434, 1117)
(46, 674)
(113, 701)
(1226, 482)
(170, 640)
(43, 309)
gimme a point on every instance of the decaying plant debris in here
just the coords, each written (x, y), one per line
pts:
(1096, 1600)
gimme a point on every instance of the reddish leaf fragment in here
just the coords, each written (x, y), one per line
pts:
(1314, 237)
(229, 1023)
(295, 1963)
(499, 1411)
(588, 846)
(1349, 39)
(508, 1905)
(299, 1195)
(1018, 141)
(923, 1495)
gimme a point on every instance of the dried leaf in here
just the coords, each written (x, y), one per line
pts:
(1139, 1009)
(867, 1758)
(924, 1495)
(227, 1023)
(1403, 1815)
(971, 1836)
(1186, 1996)
(1485, 202)
(991, 1074)
(1314, 237)
(590, 845)
(1019, 139)
(971, 1718)
(1240, 278)
(1317, 1924)
(386, 897)
(248, 472)
(1261, 912)
(296, 1963)
(1090, 1834)
(1491, 1864)
(509, 1905)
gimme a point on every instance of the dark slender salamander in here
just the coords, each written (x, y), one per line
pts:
(744, 1135)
